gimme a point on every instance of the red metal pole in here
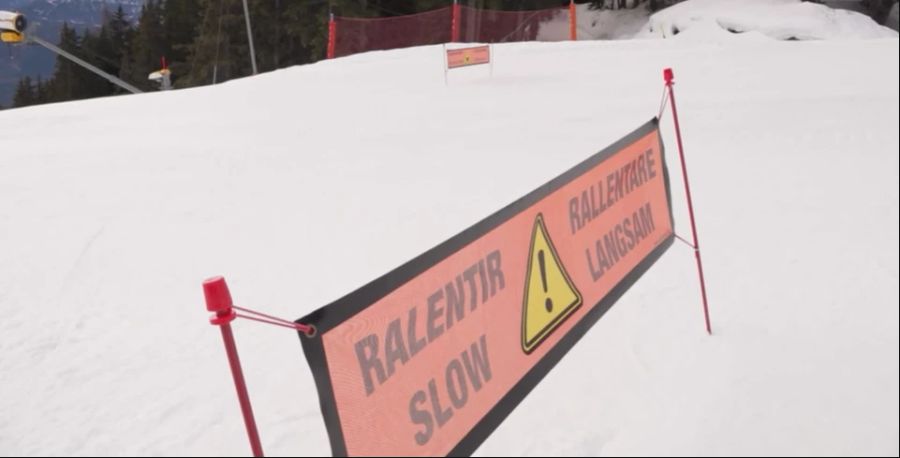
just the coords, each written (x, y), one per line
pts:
(218, 300)
(573, 34)
(669, 76)
(332, 36)
(454, 22)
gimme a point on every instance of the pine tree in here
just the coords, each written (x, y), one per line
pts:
(41, 92)
(180, 20)
(120, 30)
(211, 45)
(304, 33)
(121, 33)
(95, 47)
(65, 79)
(148, 46)
(24, 95)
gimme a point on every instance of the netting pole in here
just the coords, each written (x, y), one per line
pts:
(332, 35)
(444, 59)
(669, 77)
(218, 301)
(250, 37)
(573, 30)
(454, 22)
(491, 58)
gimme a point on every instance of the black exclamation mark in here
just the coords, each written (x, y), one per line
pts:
(549, 302)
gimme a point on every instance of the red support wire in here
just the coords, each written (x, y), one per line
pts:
(664, 100)
(669, 77)
(307, 329)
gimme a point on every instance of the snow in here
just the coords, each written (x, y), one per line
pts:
(303, 184)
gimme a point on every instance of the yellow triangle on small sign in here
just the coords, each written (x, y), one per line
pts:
(550, 295)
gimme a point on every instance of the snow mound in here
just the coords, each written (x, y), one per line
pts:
(778, 19)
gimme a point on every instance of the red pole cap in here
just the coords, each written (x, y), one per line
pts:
(668, 75)
(218, 300)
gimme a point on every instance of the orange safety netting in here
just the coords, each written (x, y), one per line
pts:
(354, 35)
(491, 26)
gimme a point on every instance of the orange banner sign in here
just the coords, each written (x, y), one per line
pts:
(468, 56)
(431, 357)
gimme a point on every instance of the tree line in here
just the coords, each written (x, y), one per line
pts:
(205, 41)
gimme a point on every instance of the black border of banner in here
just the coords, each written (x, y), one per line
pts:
(331, 315)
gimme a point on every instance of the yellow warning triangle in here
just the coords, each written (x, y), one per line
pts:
(550, 295)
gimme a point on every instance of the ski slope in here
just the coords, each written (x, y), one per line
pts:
(302, 184)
